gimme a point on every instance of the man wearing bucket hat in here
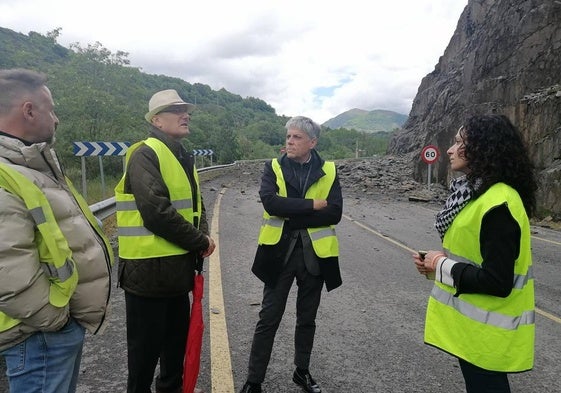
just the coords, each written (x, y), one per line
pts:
(163, 232)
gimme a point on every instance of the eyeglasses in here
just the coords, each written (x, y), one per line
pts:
(175, 109)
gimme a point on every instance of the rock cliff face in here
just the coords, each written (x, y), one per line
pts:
(504, 57)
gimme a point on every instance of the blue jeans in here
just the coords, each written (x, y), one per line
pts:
(47, 362)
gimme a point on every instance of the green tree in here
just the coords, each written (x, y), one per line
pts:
(100, 97)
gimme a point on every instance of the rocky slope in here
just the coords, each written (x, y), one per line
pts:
(371, 177)
(504, 57)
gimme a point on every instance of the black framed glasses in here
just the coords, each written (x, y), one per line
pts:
(178, 110)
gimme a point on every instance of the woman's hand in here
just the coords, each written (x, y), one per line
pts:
(428, 264)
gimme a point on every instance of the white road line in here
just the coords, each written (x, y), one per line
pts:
(545, 314)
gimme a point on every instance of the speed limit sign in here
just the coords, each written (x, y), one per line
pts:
(429, 154)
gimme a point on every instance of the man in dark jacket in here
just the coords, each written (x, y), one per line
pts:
(303, 203)
(163, 234)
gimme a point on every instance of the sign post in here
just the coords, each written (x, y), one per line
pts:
(99, 149)
(430, 155)
(203, 152)
(91, 149)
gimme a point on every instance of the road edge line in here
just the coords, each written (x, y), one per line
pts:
(222, 379)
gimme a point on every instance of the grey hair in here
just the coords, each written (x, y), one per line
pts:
(305, 124)
(16, 83)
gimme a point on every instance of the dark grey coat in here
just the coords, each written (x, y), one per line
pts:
(269, 260)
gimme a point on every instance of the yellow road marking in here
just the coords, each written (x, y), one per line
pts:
(222, 380)
(385, 237)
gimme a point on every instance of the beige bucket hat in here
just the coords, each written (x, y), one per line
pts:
(163, 99)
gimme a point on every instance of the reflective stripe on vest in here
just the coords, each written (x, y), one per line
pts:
(503, 321)
(488, 331)
(271, 226)
(142, 230)
(94, 222)
(324, 239)
(135, 240)
(54, 253)
(63, 272)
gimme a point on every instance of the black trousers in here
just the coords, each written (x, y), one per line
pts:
(479, 380)
(272, 310)
(156, 329)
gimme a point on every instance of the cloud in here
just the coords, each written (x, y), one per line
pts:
(301, 56)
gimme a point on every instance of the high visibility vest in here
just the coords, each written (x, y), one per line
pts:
(490, 332)
(54, 253)
(324, 239)
(135, 240)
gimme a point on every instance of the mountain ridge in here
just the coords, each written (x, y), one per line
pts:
(99, 96)
(378, 120)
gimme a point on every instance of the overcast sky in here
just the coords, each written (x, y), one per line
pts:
(303, 57)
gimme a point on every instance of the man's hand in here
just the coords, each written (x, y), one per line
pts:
(210, 249)
(320, 204)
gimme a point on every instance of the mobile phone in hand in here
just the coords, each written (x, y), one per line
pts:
(422, 253)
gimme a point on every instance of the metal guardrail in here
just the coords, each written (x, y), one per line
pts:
(107, 207)
(104, 209)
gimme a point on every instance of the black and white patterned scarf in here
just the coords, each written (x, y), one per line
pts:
(461, 193)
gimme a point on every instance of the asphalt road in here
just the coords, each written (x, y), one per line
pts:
(369, 331)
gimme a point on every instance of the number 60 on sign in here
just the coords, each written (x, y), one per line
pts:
(430, 154)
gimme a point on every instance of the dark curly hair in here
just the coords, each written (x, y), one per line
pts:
(495, 152)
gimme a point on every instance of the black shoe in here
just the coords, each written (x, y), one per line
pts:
(306, 381)
(249, 387)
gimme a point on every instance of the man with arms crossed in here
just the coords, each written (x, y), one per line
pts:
(302, 199)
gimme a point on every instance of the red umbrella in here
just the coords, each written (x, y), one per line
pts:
(192, 361)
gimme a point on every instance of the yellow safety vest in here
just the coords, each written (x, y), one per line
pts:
(135, 240)
(324, 239)
(490, 332)
(54, 253)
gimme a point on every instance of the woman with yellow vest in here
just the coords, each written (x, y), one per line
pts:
(163, 235)
(481, 308)
(302, 199)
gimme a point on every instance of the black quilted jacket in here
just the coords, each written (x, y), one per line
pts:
(163, 276)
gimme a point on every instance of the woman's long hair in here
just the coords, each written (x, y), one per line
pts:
(496, 152)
